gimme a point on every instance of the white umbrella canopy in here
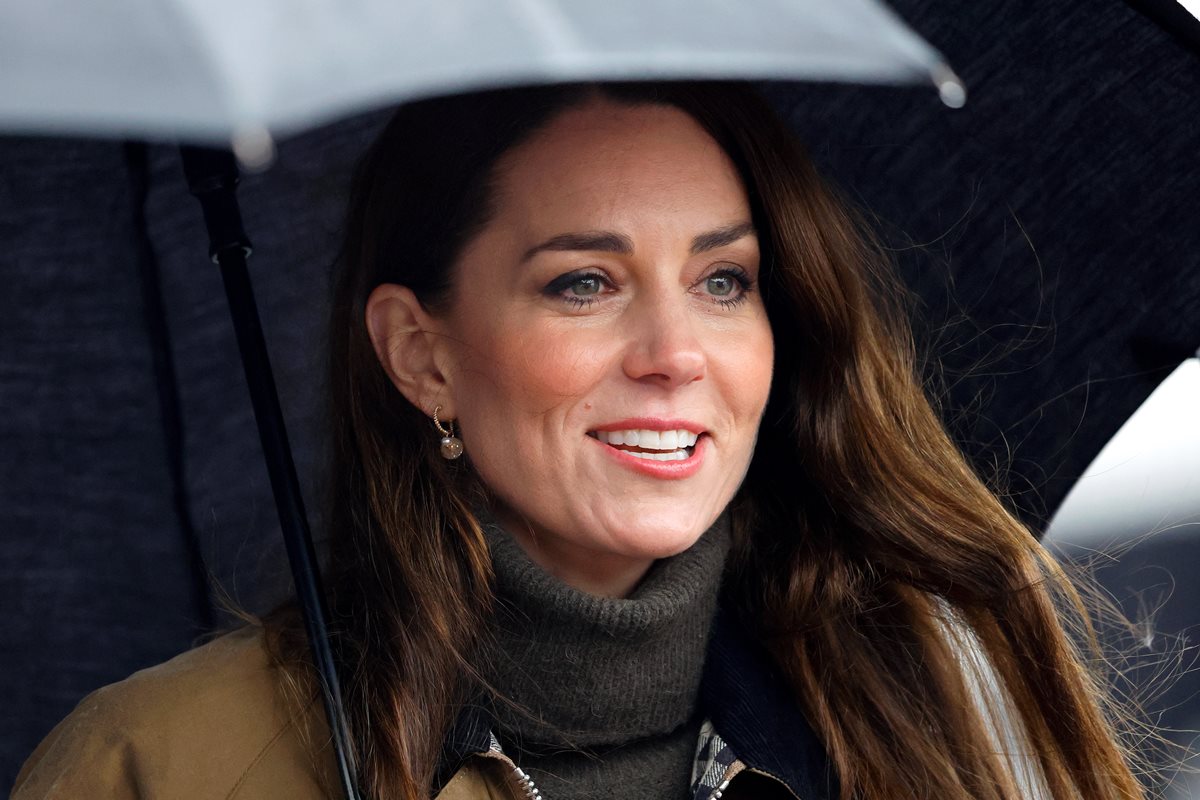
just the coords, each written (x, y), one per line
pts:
(1146, 480)
(1131, 522)
(238, 70)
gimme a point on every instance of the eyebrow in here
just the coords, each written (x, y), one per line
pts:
(611, 242)
(604, 241)
(721, 237)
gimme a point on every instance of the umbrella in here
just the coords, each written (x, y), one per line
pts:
(238, 71)
(216, 71)
(1147, 478)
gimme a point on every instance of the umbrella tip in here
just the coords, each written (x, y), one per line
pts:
(950, 87)
(254, 148)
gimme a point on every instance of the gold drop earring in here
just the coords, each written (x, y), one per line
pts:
(452, 446)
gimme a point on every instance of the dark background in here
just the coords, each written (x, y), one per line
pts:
(1051, 230)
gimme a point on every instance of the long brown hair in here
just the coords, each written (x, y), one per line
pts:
(871, 561)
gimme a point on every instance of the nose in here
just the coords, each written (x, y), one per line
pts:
(664, 347)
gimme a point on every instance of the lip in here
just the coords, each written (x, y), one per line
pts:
(663, 470)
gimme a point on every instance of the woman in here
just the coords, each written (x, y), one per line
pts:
(635, 493)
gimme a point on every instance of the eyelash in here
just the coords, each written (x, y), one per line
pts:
(557, 287)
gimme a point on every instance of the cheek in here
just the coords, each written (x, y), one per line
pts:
(528, 372)
(745, 373)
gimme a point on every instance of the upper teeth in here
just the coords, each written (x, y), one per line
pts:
(649, 440)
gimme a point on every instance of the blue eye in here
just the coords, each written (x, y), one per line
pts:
(587, 285)
(721, 285)
(729, 285)
(577, 288)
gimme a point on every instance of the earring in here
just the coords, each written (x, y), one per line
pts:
(452, 446)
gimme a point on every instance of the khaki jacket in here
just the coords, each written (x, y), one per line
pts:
(212, 723)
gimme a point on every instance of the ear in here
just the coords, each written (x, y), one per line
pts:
(408, 342)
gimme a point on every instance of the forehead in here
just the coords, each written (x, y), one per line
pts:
(606, 163)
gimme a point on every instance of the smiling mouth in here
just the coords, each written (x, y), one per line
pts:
(677, 445)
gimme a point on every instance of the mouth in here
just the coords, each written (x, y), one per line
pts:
(650, 445)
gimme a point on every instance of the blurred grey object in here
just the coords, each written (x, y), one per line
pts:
(222, 70)
(1146, 481)
(1133, 519)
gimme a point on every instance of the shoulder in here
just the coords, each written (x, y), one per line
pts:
(212, 722)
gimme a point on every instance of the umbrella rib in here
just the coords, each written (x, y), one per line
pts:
(166, 381)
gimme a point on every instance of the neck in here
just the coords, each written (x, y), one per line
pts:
(572, 667)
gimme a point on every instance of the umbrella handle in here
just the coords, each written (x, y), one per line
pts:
(212, 177)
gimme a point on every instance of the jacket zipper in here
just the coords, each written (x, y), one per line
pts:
(520, 776)
(526, 782)
(730, 773)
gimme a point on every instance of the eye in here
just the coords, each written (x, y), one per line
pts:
(584, 286)
(721, 285)
(728, 286)
(580, 288)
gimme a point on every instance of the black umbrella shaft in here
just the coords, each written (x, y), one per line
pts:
(212, 177)
(286, 487)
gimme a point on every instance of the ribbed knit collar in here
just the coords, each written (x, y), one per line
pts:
(592, 672)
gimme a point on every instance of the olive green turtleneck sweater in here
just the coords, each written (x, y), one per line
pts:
(605, 689)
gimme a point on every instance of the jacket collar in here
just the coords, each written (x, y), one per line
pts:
(470, 735)
(757, 715)
(743, 695)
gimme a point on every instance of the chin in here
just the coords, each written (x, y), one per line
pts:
(655, 541)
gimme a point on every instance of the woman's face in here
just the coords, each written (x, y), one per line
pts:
(606, 354)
